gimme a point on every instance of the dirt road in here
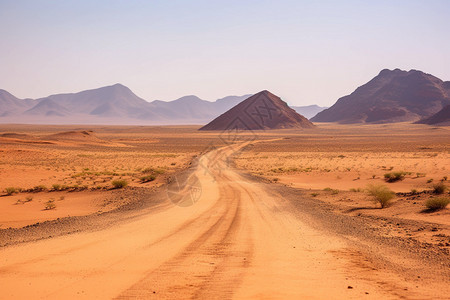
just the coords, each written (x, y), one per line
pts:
(238, 240)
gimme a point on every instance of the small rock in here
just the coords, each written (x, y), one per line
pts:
(349, 287)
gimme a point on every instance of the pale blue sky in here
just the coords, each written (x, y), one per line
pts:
(304, 51)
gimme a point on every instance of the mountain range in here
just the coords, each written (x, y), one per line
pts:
(392, 96)
(116, 104)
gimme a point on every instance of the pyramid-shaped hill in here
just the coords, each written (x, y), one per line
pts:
(261, 111)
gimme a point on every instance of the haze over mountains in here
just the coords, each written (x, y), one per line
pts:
(115, 104)
(392, 96)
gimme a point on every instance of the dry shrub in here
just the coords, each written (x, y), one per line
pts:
(437, 203)
(439, 188)
(119, 183)
(381, 194)
(394, 176)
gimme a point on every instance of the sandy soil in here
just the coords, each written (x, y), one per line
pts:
(215, 231)
(83, 162)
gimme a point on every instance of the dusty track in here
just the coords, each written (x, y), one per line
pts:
(239, 240)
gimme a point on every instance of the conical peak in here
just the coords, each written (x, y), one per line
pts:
(261, 111)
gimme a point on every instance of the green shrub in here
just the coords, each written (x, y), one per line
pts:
(439, 188)
(148, 178)
(381, 194)
(119, 183)
(414, 192)
(56, 187)
(10, 190)
(314, 194)
(355, 190)
(28, 199)
(437, 203)
(394, 176)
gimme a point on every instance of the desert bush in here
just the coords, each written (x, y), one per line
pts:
(444, 178)
(147, 178)
(314, 194)
(381, 194)
(56, 187)
(153, 170)
(414, 191)
(119, 183)
(28, 199)
(439, 188)
(40, 188)
(50, 204)
(430, 180)
(10, 190)
(437, 203)
(355, 190)
(394, 176)
(327, 189)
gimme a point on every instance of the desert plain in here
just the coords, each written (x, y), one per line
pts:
(170, 212)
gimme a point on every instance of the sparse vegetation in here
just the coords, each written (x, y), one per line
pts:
(50, 204)
(333, 191)
(56, 187)
(11, 190)
(437, 203)
(439, 188)
(119, 183)
(394, 176)
(147, 178)
(355, 190)
(153, 171)
(381, 194)
(430, 180)
(314, 194)
(414, 192)
(39, 188)
(28, 199)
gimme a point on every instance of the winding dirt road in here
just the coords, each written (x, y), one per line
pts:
(238, 240)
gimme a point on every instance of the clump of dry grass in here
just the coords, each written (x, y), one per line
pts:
(439, 188)
(147, 178)
(381, 194)
(437, 203)
(11, 190)
(394, 176)
(50, 204)
(119, 183)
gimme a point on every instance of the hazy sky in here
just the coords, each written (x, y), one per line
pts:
(304, 51)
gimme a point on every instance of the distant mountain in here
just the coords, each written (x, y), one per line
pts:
(442, 117)
(261, 111)
(10, 105)
(115, 104)
(308, 111)
(392, 96)
(47, 107)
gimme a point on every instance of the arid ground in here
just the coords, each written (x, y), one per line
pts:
(216, 215)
